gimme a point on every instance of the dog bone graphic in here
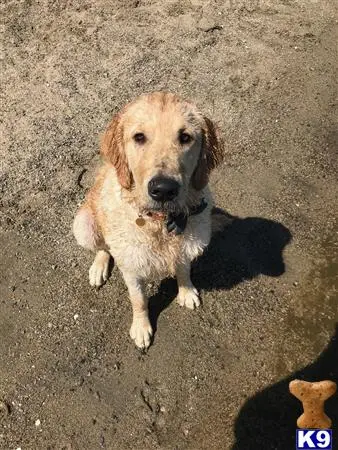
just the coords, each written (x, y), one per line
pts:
(313, 396)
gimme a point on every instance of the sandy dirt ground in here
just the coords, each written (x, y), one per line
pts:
(216, 378)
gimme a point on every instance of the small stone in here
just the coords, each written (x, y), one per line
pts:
(38, 422)
(50, 325)
(4, 408)
(91, 30)
(54, 266)
(102, 441)
(76, 316)
(160, 422)
(208, 24)
(295, 283)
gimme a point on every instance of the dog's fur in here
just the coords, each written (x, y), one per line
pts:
(109, 221)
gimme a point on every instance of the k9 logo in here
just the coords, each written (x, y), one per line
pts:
(314, 439)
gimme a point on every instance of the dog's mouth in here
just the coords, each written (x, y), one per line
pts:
(173, 217)
(161, 210)
(156, 215)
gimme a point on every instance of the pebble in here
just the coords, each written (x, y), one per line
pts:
(4, 408)
(208, 24)
(102, 440)
(76, 316)
(37, 422)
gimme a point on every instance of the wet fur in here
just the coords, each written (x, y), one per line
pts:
(106, 223)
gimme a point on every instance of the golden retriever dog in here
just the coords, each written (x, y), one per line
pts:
(150, 206)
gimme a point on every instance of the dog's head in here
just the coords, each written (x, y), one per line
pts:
(161, 148)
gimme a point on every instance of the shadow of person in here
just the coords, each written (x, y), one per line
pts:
(242, 250)
(268, 420)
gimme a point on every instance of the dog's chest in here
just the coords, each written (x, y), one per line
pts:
(151, 252)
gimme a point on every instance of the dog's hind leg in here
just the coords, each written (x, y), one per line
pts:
(88, 236)
(85, 229)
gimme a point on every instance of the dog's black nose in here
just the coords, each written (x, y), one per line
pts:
(163, 189)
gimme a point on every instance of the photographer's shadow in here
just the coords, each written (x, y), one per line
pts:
(242, 250)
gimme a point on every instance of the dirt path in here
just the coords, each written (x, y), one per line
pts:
(214, 379)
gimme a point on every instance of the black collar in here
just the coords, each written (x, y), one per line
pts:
(176, 223)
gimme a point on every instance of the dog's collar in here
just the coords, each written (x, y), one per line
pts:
(176, 223)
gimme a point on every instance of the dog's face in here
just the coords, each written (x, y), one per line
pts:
(161, 148)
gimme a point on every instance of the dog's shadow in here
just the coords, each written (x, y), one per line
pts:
(268, 419)
(243, 249)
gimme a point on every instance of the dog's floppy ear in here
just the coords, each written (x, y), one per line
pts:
(211, 155)
(112, 149)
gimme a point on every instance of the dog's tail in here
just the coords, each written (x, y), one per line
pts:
(220, 219)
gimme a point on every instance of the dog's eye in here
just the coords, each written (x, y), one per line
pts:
(185, 138)
(139, 138)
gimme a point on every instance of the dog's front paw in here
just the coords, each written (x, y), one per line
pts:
(188, 297)
(99, 270)
(141, 332)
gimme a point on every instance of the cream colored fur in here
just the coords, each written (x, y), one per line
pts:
(107, 222)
